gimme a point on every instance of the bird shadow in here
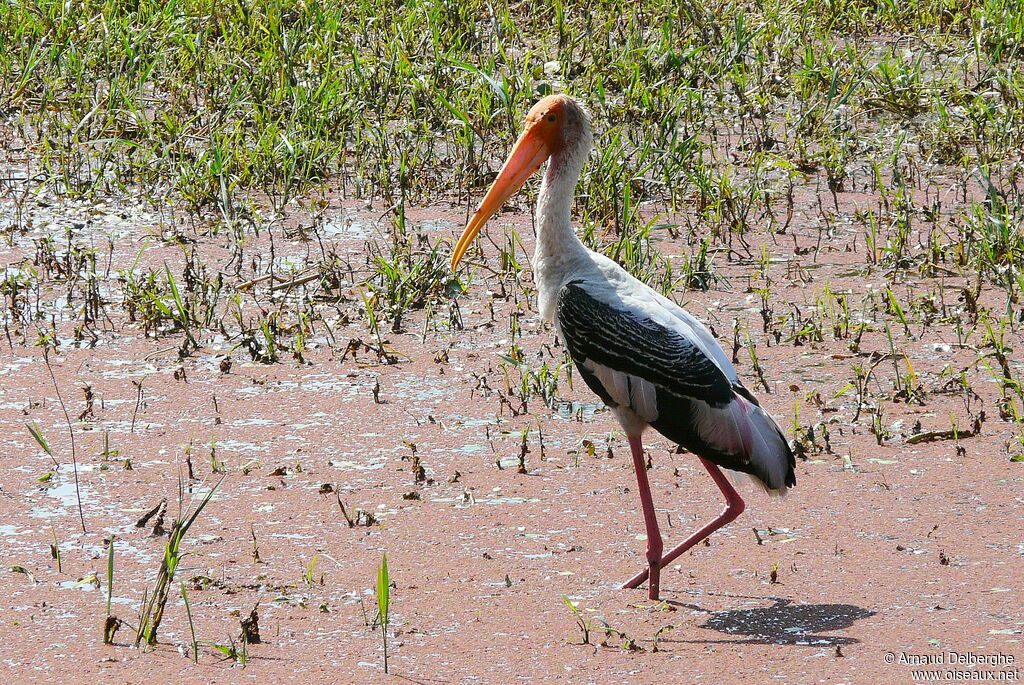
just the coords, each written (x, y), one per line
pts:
(783, 623)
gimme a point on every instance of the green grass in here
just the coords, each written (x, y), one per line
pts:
(384, 605)
(208, 102)
(711, 113)
(715, 123)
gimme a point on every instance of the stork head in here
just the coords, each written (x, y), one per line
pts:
(558, 128)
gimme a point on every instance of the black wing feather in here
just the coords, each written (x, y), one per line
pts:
(621, 340)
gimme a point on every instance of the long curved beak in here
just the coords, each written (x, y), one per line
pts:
(528, 154)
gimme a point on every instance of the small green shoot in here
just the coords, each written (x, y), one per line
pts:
(658, 633)
(584, 625)
(383, 605)
(110, 572)
(55, 551)
(231, 651)
(24, 571)
(33, 428)
(191, 625)
(111, 623)
(309, 574)
(152, 612)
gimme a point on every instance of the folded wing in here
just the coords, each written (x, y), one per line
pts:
(640, 355)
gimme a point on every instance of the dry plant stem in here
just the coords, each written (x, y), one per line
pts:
(71, 433)
(154, 612)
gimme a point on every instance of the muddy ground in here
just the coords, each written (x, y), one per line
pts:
(902, 540)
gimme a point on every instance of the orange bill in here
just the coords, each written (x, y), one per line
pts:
(530, 151)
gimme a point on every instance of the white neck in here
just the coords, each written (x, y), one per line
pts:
(559, 252)
(555, 234)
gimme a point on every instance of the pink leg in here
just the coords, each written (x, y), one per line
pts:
(733, 508)
(654, 544)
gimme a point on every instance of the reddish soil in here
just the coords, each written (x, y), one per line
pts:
(904, 548)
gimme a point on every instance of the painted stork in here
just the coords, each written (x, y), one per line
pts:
(650, 361)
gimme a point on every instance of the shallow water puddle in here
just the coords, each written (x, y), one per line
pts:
(240, 446)
(66, 494)
(579, 411)
(775, 536)
(347, 226)
(83, 584)
(345, 465)
(463, 502)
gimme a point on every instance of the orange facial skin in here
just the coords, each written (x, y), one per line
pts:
(541, 138)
